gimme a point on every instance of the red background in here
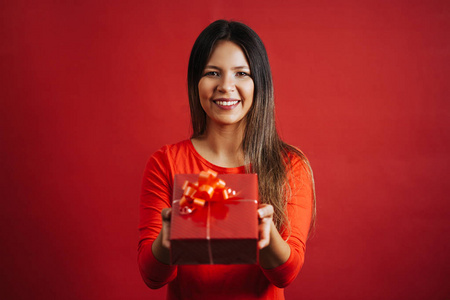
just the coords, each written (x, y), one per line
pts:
(89, 89)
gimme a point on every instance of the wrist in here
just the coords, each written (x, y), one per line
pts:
(161, 253)
(276, 253)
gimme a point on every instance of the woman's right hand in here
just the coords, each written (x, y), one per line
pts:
(161, 245)
(166, 214)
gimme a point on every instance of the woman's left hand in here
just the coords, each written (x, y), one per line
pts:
(265, 216)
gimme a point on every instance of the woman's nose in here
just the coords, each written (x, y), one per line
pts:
(227, 84)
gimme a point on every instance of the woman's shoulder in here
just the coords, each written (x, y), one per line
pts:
(180, 156)
(294, 155)
(174, 149)
(297, 164)
(167, 159)
(169, 152)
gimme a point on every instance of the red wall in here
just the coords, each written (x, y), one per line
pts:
(89, 89)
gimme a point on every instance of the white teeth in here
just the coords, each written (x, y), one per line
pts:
(226, 103)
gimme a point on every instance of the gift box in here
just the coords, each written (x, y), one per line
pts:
(214, 225)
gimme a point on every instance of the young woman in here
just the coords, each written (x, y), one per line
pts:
(232, 113)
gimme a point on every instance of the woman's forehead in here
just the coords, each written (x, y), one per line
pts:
(227, 53)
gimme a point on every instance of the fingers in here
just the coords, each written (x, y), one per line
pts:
(265, 210)
(265, 214)
(166, 214)
(264, 236)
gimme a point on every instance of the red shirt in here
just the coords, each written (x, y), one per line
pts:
(216, 281)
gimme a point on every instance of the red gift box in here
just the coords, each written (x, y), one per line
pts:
(220, 232)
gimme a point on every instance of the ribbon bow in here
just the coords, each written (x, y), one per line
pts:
(207, 188)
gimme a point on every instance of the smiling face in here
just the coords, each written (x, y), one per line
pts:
(226, 87)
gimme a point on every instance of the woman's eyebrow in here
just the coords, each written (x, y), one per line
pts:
(241, 67)
(212, 67)
(234, 68)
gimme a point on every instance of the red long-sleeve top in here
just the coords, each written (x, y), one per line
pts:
(216, 281)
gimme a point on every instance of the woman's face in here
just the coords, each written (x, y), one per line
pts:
(226, 87)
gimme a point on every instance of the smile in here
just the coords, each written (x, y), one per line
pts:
(226, 102)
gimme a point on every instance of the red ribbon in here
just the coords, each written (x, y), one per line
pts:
(207, 188)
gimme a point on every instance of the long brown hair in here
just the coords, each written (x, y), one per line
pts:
(264, 151)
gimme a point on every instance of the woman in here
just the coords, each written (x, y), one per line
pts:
(232, 114)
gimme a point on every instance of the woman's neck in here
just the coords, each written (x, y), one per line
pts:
(221, 145)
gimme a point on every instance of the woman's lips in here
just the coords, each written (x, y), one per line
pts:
(226, 104)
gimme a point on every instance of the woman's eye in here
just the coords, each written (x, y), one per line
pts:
(242, 74)
(212, 74)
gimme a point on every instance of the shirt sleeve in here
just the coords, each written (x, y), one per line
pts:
(155, 195)
(299, 212)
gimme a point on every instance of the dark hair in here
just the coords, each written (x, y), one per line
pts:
(264, 151)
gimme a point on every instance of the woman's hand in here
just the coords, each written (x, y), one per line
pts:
(274, 251)
(161, 245)
(166, 214)
(265, 215)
